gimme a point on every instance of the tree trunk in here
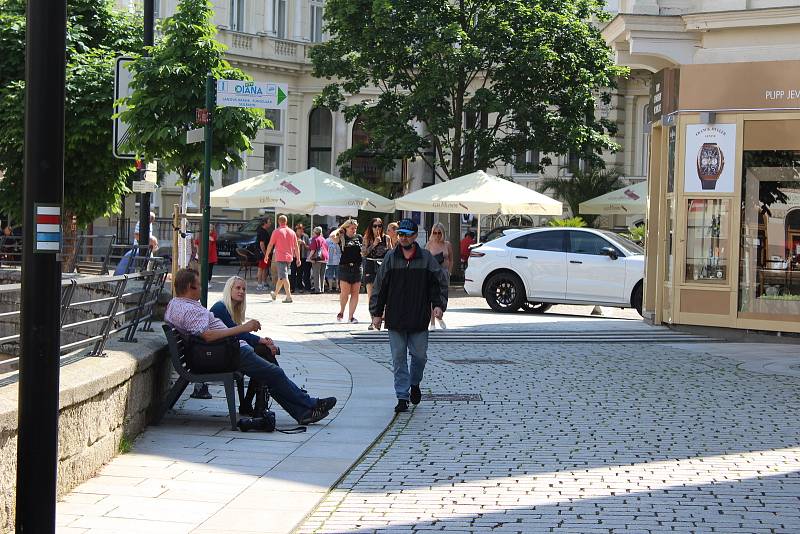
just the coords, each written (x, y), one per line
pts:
(69, 243)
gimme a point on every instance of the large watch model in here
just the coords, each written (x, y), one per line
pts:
(710, 162)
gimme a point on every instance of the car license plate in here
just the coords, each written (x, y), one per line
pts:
(223, 253)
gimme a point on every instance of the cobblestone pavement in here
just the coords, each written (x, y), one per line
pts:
(580, 438)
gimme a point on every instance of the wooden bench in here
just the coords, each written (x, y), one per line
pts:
(91, 267)
(177, 355)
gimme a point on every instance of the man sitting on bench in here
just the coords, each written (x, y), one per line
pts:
(189, 317)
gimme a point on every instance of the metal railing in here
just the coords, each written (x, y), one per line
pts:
(92, 310)
(84, 254)
(163, 230)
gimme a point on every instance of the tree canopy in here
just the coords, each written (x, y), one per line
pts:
(582, 186)
(94, 181)
(487, 79)
(169, 85)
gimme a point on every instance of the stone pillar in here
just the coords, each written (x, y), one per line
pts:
(629, 141)
(340, 141)
(269, 17)
(417, 168)
(299, 7)
(645, 7)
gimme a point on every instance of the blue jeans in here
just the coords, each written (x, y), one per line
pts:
(294, 400)
(402, 344)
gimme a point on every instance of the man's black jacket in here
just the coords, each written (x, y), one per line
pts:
(405, 290)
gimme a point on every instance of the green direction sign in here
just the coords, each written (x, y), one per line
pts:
(242, 94)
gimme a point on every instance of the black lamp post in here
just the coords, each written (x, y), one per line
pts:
(37, 444)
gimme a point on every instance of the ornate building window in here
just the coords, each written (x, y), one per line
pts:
(320, 139)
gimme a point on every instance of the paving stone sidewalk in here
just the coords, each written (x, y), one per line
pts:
(194, 474)
(565, 437)
(584, 438)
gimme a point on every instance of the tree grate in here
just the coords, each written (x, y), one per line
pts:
(480, 361)
(451, 397)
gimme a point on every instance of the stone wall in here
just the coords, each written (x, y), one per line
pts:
(101, 401)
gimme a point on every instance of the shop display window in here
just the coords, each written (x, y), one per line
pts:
(707, 238)
(769, 278)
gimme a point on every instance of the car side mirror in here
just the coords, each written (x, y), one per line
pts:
(610, 252)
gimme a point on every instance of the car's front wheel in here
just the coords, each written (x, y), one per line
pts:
(505, 292)
(535, 307)
(636, 298)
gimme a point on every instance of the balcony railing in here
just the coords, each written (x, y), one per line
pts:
(262, 46)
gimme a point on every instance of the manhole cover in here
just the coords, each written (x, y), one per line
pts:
(451, 397)
(480, 361)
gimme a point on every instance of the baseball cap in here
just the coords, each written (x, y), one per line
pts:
(407, 227)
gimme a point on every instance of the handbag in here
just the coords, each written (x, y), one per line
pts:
(220, 356)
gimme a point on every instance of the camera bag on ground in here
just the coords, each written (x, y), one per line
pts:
(266, 423)
(218, 356)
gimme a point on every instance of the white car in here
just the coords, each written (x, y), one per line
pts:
(540, 267)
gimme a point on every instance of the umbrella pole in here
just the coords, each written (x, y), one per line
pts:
(478, 236)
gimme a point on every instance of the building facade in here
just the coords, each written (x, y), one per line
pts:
(270, 40)
(724, 187)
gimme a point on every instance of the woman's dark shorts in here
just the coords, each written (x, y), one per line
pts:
(370, 270)
(350, 272)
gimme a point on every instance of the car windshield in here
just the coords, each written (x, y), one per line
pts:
(624, 243)
(251, 226)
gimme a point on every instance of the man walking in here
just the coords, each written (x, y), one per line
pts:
(284, 241)
(409, 284)
(262, 238)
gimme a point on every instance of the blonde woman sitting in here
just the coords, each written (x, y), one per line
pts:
(231, 311)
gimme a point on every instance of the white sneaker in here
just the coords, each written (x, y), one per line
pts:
(259, 287)
(273, 295)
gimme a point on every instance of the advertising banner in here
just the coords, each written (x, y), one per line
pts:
(710, 158)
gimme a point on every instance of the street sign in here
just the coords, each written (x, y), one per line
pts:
(195, 136)
(48, 228)
(201, 116)
(151, 172)
(238, 93)
(144, 186)
(122, 78)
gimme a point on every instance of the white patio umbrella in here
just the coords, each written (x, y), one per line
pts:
(480, 193)
(312, 191)
(630, 200)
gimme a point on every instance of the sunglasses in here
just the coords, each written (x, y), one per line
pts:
(377, 226)
(436, 233)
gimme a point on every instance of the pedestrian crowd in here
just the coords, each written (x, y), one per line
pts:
(406, 287)
(344, 262)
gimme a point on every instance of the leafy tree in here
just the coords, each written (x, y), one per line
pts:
(169, 85)
(571, 222)
(582, 186)
(487, 79)
(94, 181)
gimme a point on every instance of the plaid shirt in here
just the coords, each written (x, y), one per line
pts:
(189, 317)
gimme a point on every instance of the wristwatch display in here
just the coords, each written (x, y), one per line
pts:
(710, 162)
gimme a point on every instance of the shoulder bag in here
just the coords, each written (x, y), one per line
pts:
(220, 356)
